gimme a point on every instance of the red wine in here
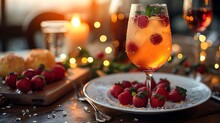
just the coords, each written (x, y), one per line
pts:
(198, 20)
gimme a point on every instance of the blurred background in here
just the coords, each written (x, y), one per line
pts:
(20, 19)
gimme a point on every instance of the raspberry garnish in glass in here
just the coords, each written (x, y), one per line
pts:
(148, 41)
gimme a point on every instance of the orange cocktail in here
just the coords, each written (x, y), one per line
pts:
(148, 42)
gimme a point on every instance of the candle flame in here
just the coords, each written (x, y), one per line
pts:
(75, 21)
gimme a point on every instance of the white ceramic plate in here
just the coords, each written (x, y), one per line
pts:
(97, 90)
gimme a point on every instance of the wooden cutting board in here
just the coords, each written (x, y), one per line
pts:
(50, 93)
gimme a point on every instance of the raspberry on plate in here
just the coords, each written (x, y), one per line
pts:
(125, 98)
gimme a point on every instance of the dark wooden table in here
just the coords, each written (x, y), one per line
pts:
(69, 110)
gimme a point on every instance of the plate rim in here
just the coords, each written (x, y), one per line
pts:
(146, 111)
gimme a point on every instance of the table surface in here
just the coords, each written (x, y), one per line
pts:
(69, 110)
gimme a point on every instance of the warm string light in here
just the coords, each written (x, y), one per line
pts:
(179, 55)
(103, 38)
(106, 63)
(202, 56)
(63, 57)
(72, 62)
(202, 38)
(97, 24)
(216, 66)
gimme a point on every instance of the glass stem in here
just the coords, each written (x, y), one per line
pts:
(148, 82)
(197, 48)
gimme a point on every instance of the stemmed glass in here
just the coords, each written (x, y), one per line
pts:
(148, 40)
(198, 16)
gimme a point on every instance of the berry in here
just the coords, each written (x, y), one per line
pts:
(38, 82)
(157, 100)
(126, 84)
(116, 89)
(11, 79)
(40, 69)
(100, 55)
(177, 94)
(163, 91)
(141, 21)
(139, 85)
(24, 84)
(156, 39)
(134, 82)
(186, 64)
(164, 20)
(48, 76)
(125, 98)
(130, 89)
(164, 86)
(59, 72)
(29, 73)
(140, 99)
(163, 81)
(142, 89)
(201, 68)
(132, 47)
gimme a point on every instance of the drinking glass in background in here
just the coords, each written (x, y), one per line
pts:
(119, 12)
(54, 37)
(198, 16)
(148, 41)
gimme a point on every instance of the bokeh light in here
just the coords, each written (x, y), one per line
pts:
(72, 60)
(90, 59)
(97, 24)
(204, 45)
(108, 50)
(216, 66)
(121, 16)
(202, 38)
(103, 38)
(202, 56)
(106, 63)
(180, 56)
(84, 60)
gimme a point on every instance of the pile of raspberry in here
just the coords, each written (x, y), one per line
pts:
(136, 94)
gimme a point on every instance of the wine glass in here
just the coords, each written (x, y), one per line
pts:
(148, 40)
(198, 16)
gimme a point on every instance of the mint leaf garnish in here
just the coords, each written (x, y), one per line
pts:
(139, 13)
(148, 11)
(152, 10)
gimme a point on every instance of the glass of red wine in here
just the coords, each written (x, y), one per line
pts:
(198, 16)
